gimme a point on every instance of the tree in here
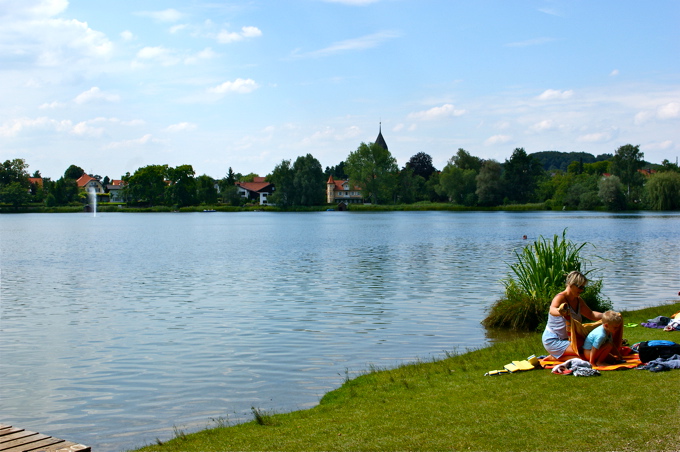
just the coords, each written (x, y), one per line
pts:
(205, 190)
(421, 165)
(611, 193)
(146, 185)
(309, 181)
(301, 184)
(373, 168)
(65, 191)
(662, 191)
(15, 194)
(489, 185)
(625, 164)
(283, 178)
(458, 184)
(520, 176)
(411, 187)
(182, 189)
(337, 171)
(14, 171)
(73, 172)
(465, 161)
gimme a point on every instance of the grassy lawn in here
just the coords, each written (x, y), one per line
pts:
(450, 405)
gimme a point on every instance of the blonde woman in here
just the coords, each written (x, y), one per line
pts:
(556, 337)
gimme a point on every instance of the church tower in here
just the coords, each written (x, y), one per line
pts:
(380, 140)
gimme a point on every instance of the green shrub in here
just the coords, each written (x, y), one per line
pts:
(539, 274)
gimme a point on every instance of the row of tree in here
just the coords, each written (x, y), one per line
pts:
(560, 180)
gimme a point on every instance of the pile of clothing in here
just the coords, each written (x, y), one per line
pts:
(576, 367)
(667, 323)
(661, 364)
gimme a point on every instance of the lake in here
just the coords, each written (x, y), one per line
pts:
(120, 328)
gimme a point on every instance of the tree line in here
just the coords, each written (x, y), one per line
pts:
(618, 181)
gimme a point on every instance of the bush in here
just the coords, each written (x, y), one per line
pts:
(539, 275)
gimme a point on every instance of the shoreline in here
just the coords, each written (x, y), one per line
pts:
(377, 409)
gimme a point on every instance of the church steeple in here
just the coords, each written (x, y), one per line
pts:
(380, 140)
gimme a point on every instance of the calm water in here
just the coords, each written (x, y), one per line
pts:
(119, 328)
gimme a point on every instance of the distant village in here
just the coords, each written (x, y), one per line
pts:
(621, 180)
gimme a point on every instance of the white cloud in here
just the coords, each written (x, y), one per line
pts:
(127, 35)
(94, 94)
(17, 126)
(614, 73)
(167, 15)
(552, 94)
(661, 146)
(669, 111)
(205, 54)
(434, 113)
(497, 139)
(32, 33)
(159, 54)
(361, 43)
(241, 86)
(35, 9)
(541, 126)
(51, 105)
(85, 129)
(181, 127)
(144, 140)
(226, 37)
(597, 137)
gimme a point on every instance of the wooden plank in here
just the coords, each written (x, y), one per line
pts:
(16, 435)
(20, 440)
(22, 443)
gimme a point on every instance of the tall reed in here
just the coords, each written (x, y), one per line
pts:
(537, 276)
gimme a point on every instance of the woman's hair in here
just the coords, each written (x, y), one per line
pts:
(576, 279)
(612, 317)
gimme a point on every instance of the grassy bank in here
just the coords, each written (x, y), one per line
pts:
(450, 405)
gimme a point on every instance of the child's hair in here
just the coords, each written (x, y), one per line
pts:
(612, 317)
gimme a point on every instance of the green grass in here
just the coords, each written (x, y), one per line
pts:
(450, 405)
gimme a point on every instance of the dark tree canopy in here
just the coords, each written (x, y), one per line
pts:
(421, 164)
(73, 172)
(520, 175)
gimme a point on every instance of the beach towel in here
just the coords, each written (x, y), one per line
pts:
(631, 361)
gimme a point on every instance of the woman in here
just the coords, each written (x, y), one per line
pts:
(555, 337)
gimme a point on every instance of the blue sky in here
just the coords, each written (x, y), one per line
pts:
(112, 86)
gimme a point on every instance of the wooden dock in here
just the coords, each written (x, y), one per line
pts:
(14, 439)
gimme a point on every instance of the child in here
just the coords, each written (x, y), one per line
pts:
(600, 343)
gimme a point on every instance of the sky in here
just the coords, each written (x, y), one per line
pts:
(112, 86)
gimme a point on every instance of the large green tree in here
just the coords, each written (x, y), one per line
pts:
(15, 194)
(73, 172)
(521, 174)
(14, 170)
(309, 181)
(610, 191)
(182, 189)
(625, 164)
(489, 185)
(465, 161)
(662, 191)
(421, 165)
(146, 185)
(299, 184)
(373, 168)
(206, 193)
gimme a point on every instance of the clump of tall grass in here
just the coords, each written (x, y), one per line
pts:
(537, 276)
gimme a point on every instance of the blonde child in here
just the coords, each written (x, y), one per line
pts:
(600, 343)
